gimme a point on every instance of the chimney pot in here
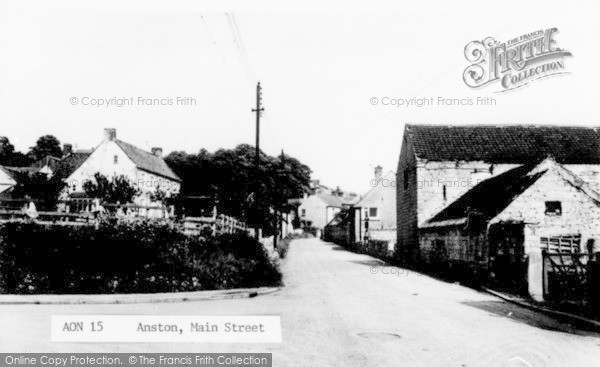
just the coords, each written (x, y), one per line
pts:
(110, 134)
(157, 152)
(67, 149)
(378, 172)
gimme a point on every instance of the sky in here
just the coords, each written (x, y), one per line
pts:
(321, 64)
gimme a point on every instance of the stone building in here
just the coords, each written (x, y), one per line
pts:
(439, 164)
(146, 171)
(319, 209)
(378, 208)
(500, 227)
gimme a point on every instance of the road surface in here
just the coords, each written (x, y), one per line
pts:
(343, 309)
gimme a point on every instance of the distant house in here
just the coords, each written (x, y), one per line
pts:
(438, 164)
(71, 161)
(379, 203)
(502, 225)
(7, 180)
(368, 224)
(378, 208)
(47, 165)
(65, 164)
(318, 209)
(10, 179)
(113, 157)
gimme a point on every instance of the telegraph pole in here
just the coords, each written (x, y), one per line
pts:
(258, 110)
(277, 218)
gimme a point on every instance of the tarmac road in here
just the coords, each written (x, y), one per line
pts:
(343, 309)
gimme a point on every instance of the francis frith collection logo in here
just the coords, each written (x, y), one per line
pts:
(516, 62)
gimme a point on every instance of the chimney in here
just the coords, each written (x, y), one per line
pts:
(157, 152)
(110, 134)
(378, 172)
(67, 149)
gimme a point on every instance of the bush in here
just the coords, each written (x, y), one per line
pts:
(377, 248)
(126, 257)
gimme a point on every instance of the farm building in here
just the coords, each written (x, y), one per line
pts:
(515, 205)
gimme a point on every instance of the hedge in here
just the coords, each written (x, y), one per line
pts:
(126, 257)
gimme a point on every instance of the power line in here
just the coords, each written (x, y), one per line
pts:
(214, 42)
(237, 40)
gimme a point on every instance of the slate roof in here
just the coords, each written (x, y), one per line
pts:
(7, 172)
(11, 171)
(331, 200)
(492, 196)
(147, 161)
(71, 163)
(48, 160)
(506, 144)
(391, 176)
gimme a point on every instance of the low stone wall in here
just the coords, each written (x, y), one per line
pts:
(377, 248)
(385, 235)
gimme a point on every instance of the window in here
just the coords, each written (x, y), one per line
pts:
(553, 208)
(373, 212)
(116, 159)
(303, 213)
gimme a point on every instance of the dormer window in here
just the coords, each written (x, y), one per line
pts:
(553, 208)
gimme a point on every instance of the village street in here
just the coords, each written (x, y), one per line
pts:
(340, 309)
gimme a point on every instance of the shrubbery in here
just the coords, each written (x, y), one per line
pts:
(376, 248)
(126, 257)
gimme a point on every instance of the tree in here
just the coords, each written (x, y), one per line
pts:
(229, 177)
(117, 190)
(6, 148)
(160, 196)
(8, 156)
(122, 191)
(45, 146)
(43, 191)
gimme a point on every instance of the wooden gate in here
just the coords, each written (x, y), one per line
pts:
(565, 270)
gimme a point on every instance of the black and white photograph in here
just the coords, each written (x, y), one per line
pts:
(299, 183)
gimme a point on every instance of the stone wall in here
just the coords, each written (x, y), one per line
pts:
(388, 236)
(406, 204)
(580, 214)
(441, 183)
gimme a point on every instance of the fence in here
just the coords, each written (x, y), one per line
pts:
(78, 211)
(571, 278)
(216, 224)
(89, 205)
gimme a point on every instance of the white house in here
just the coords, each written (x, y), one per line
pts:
(113, 157)
(378, 207)
(319, 209)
